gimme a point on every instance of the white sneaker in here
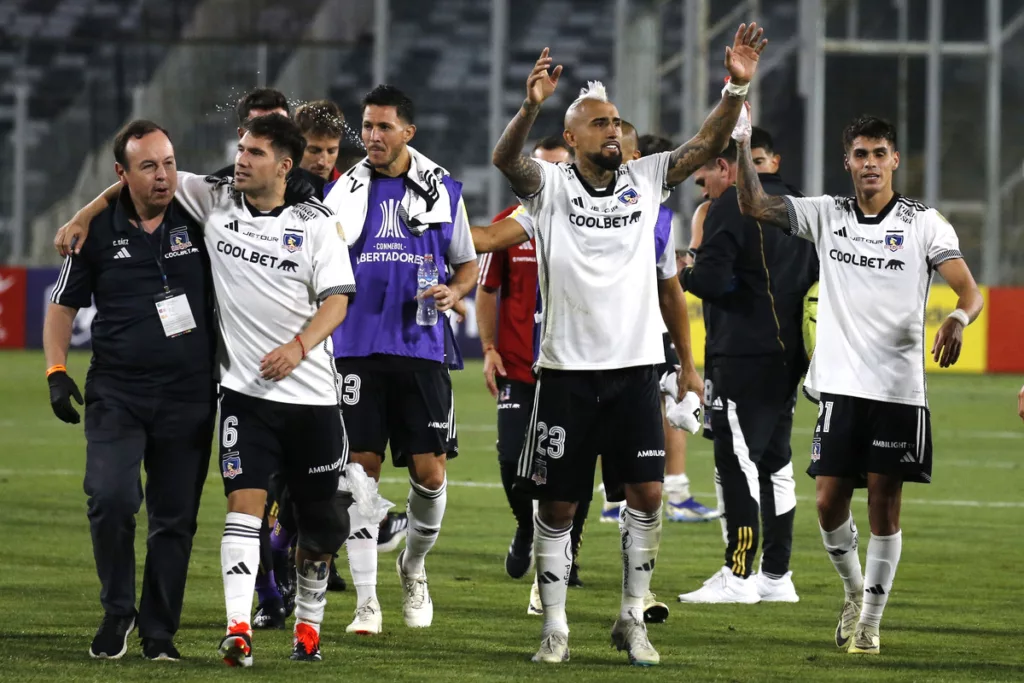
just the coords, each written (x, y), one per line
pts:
(536, 607)
(417, 607)
(554, 649)
(724, 587)
(655, 612)
(368, 621)
(776, 590)
(630, 634)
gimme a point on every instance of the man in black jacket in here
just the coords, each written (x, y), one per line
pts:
(149, 392)
(752, 282)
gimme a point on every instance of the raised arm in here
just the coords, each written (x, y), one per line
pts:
(753, 200)
(741, 61)
(522, 172)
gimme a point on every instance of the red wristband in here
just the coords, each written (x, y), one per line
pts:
(301, 346)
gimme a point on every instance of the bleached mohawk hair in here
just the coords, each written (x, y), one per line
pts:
(593, 90)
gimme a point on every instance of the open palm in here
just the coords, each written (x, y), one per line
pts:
(541, 85)
(741, 59)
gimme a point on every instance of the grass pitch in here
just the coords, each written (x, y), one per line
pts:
(954, 613)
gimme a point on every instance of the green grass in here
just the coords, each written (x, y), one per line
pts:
(954, 613)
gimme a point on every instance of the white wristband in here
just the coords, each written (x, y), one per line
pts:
(736, 90)
(960, 315)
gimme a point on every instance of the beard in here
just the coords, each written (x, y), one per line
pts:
(608, 163)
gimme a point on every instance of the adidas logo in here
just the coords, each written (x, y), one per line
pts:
(645, 567)
(363, 534)
(875, 590)
(239, 568)
(232, 226)
(717, 405)
(547, 577)
(841, 232)
(908, 457)
(577, 201)
(122, 253)
(838, 552)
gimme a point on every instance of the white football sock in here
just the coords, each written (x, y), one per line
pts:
(641, 537)
(361, 547)
(311, 593)
(879, 571)
(552, 551)
(841, 544)
(677, 488)
(426, 510)
(239, 560)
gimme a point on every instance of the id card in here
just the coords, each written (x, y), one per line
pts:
(175, 314)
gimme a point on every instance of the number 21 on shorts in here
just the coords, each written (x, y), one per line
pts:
(824, 408)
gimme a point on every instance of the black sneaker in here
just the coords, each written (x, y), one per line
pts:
(392, 530)
(269, 615)
(334, 580)
(159, 650)
(520, 554)
(574, 576)
(111, 640)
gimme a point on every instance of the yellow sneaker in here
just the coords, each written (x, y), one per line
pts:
(865, 642)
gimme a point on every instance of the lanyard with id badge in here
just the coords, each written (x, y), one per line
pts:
(171, 304)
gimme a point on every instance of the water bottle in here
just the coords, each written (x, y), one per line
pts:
(426, 277)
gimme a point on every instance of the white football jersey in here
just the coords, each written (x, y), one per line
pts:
(874, 280)
(597, 268)
(270, 272)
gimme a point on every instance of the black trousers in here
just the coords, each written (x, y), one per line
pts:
(172, 440)
(752, 404)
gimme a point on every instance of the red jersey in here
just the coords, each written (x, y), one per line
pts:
(513, 272)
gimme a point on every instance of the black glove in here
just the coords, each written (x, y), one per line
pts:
(62, 389)
(298, 189)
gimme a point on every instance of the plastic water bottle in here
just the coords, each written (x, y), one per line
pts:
(426, 277)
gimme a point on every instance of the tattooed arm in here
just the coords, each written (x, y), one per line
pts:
(709, 141)
(754, 201)
(741, 61)
(523, 173)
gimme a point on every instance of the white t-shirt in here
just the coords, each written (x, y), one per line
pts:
(270, 273)
(874, 280)
(597, 267)
(663, 268)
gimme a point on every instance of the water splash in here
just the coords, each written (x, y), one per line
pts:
(350, 136)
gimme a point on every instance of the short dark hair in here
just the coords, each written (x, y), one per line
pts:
(137, 129)
(321, 118)
(629, 129)
(553, 142)
(761, 139)
(265, 99)
(283, 133)
(871, 127)
(389, 96)
(654, 144)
